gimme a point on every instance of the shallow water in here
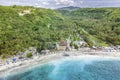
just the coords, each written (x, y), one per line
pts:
(72, 69)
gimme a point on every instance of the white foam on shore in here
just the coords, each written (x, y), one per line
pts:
(85, 58)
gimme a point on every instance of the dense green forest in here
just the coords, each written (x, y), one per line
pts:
(24, 27)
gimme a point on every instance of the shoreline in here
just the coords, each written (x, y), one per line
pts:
(31, 63)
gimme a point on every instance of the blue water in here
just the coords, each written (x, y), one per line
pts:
(72, 70)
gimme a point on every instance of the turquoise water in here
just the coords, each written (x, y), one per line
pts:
(72, 70)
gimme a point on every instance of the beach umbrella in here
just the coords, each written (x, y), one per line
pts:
(14, 59)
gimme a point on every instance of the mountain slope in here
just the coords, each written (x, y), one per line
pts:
(102, 23)
(24, 27)
(20, 32)
(70, 8)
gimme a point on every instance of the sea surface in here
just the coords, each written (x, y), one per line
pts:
(72, 69)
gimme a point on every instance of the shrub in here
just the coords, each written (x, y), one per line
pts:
(3, 56)
(76, 46)
(71, 43)
(29, 55)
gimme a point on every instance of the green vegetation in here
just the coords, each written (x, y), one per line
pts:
(98, 26)
(76, 46)
(29, 55)
(24, 27)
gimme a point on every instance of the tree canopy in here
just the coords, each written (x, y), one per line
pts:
(23, 26)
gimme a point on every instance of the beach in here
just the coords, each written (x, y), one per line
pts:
(37, 60)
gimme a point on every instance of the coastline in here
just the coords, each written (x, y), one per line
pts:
(31, 63)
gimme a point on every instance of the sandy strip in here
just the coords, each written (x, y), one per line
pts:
(21, 66)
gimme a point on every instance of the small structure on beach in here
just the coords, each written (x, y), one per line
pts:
(118, 46)
(63, 45)
(80, 43)
(68, 48)
(66, 54)
(45, 51)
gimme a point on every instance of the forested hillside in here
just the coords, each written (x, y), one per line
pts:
(23, 27)
(101, 23)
